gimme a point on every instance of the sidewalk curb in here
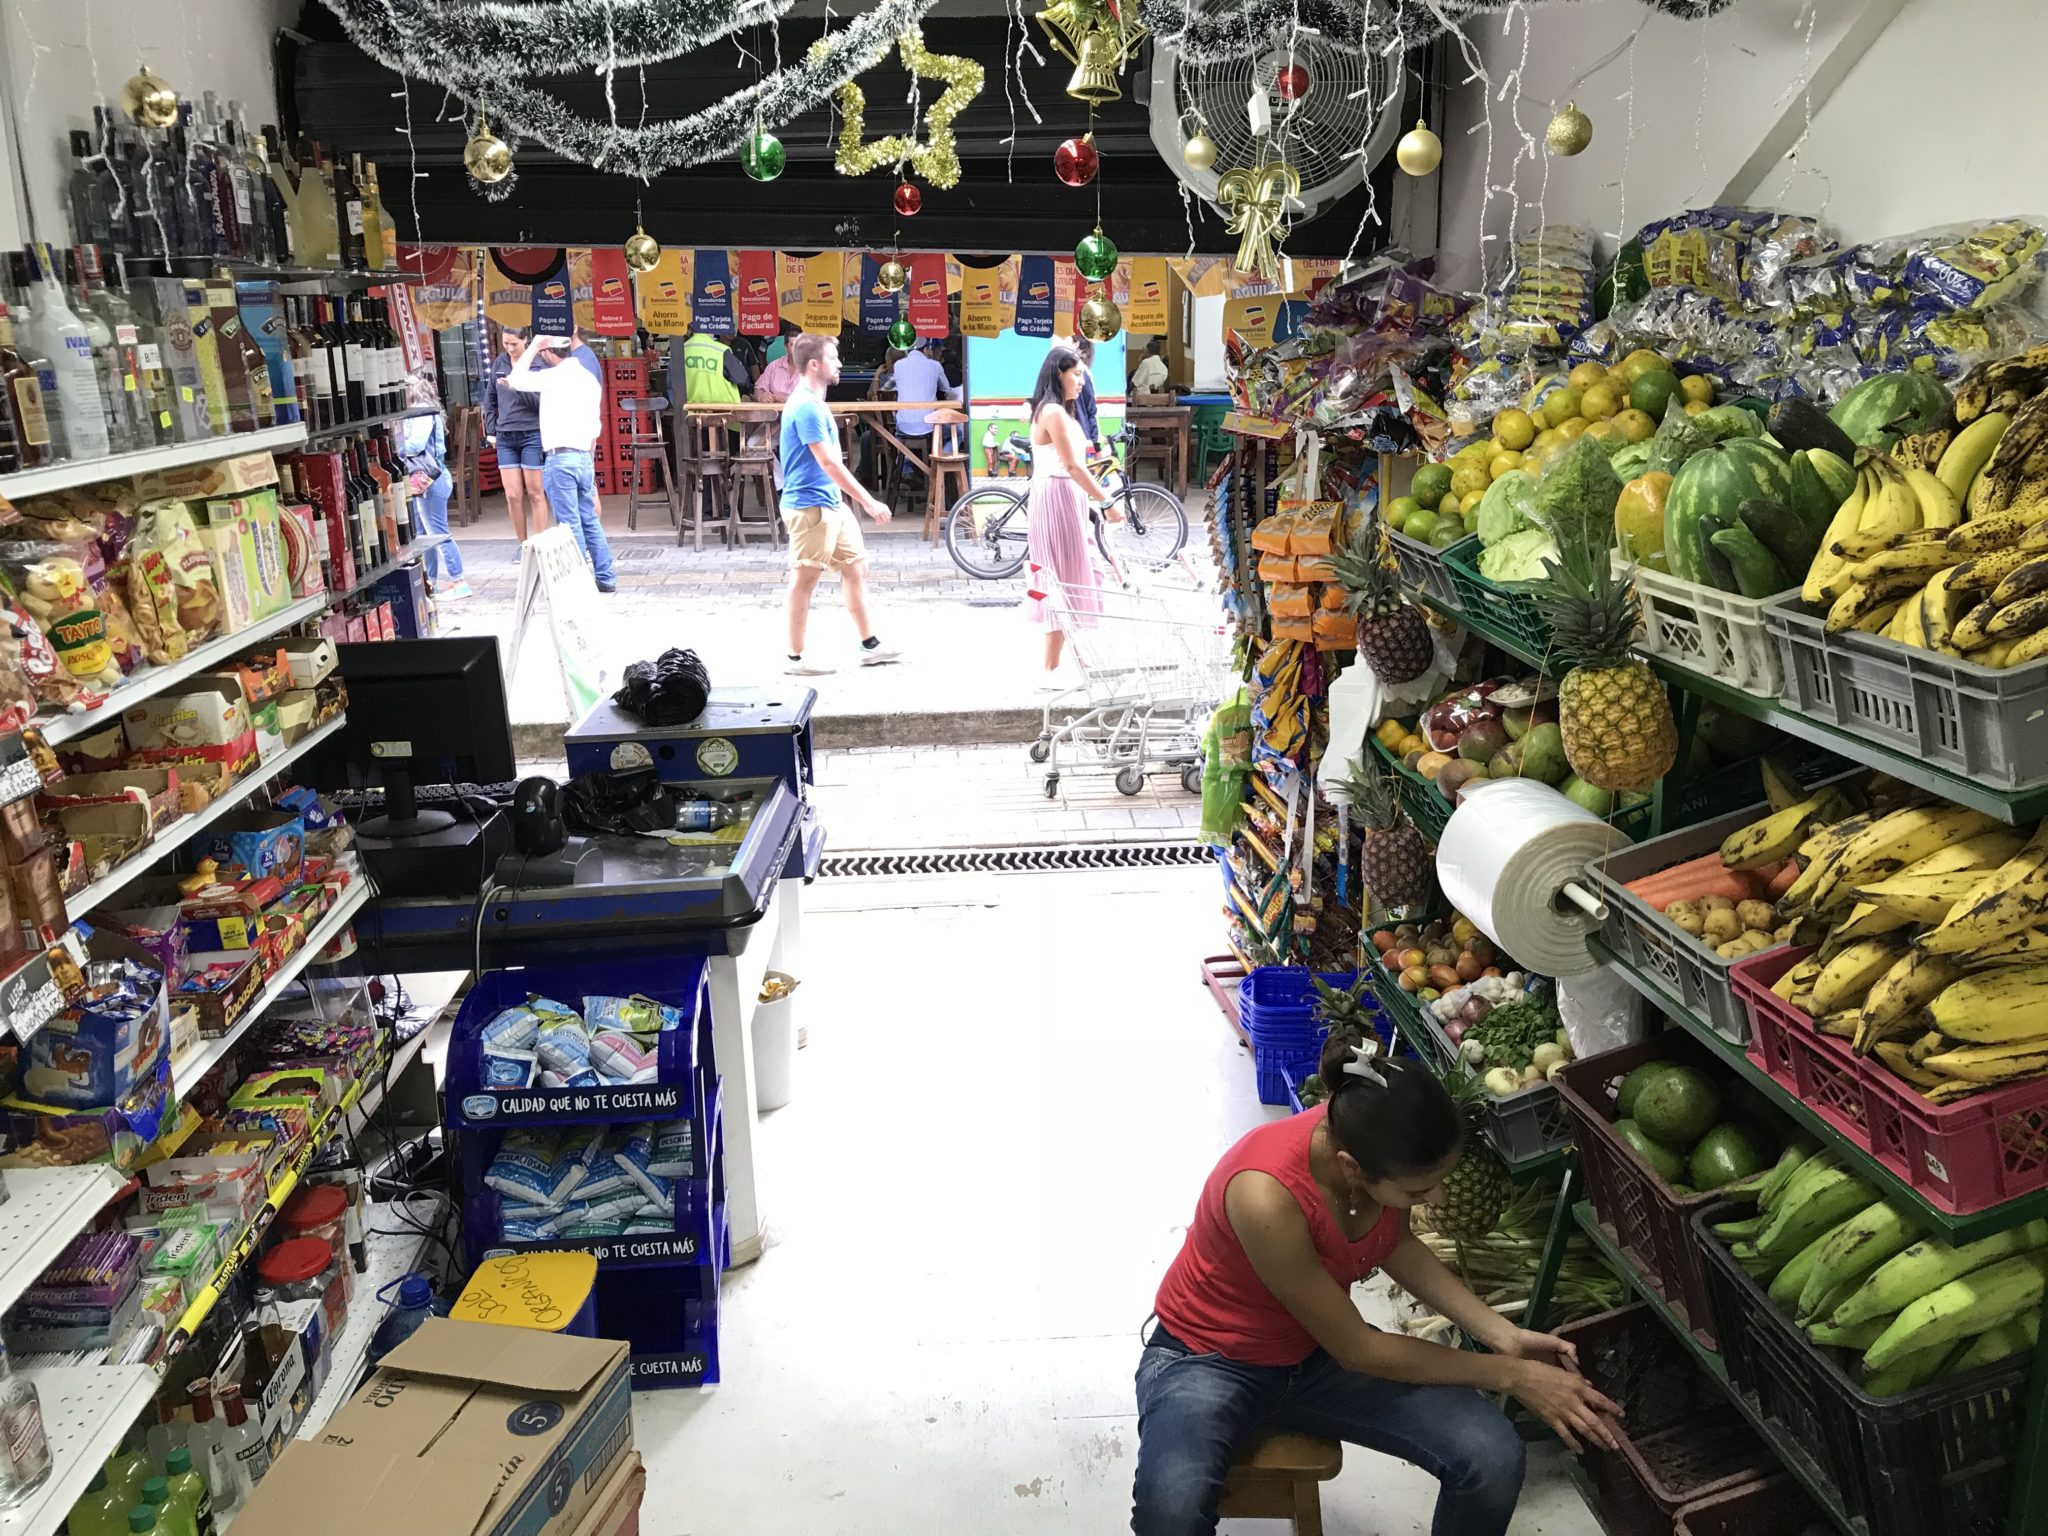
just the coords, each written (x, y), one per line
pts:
(534, 741)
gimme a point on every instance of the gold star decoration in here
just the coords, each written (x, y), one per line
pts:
(937, 159)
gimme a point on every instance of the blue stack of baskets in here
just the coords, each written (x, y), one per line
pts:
(1276, 1007)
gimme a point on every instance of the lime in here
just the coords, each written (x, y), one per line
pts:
(1638, 363)
(1599, 401)
(1651, 392)
(1471, 478)
(1421, 525)
(1502, 462)
(1514, 429)
(1431, 482)
(1401, 511)
(1636, 426)
(1451, 505)
(1560, 405)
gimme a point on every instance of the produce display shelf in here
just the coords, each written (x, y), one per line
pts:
(45, 1209)
(344, 428)
(1793, 1456)
(2015, 806)
(404, 557)
(145, 461)
(1951, 1228)
(146, 681)
(1482, 626)
(188, 1071)
(87, 1411)
(395, 1247)
(175, 835)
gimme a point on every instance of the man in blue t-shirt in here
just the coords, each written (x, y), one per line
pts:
(824, 535)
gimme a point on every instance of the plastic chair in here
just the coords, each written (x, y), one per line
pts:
(706, 460)
(644, 444)
(1278, 1477)
(950, 478)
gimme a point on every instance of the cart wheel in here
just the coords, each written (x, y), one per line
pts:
(1041, 749)
(1191, 778)
(1052, 786)
(1129, 780)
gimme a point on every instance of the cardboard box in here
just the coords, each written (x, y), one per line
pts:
(221, 984)
(192, 411)
(464, 1430)
(295, 712)
(236, 476)
(156, 790)
(616, 1511)
(208, 722)
(257, 542)
(106, 832)
(311, 659)
(87, 1056)
(320, 477)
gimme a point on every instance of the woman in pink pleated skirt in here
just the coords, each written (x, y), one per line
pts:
(1060, 551)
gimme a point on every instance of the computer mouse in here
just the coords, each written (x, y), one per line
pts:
(537, 826)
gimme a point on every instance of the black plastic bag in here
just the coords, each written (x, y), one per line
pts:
(671, 691)
(622, 803)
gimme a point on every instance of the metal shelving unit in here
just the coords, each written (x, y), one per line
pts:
(119, 466)
(45, 1209)
(389, 418)
(87, 1410)
(404, 557)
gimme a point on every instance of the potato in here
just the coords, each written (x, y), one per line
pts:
(1679, 909)
(1692, 923)
(1729, 951)
(1721, 925)
(1754, 914)
(1758, 938)
(1716, 904)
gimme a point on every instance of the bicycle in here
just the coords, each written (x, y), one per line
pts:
(987, 529)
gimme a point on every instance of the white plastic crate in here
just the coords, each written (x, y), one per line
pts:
(1717, 634)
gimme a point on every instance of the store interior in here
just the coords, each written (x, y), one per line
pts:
(1494, 981)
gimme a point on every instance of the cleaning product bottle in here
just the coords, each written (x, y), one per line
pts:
(156, 1500)
(102, 1510)
(191, 1505)
(127, 1470)
(414, 1306)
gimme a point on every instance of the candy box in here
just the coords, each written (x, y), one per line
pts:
(259, 843)
(221, 985)
(295, 714)
(158, 790)
(206, 722)
(228, 914)
(311, 807)
(235, 476)
(311, 660)
(98, 1051)
(306, 1088)
(106, 832)
(263, 674)
(50, 1136)
(223, 1176)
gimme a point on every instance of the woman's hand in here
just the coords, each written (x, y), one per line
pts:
(1111, 512)
(1566, 1401)
(1545, 1347)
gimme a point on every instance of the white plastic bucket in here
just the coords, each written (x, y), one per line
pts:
(774, 1051)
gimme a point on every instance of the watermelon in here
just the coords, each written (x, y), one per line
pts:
(1719, 479)
(1880, 411)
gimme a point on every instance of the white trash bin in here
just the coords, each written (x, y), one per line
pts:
(775, 1043)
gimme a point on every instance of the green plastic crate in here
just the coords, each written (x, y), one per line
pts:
(1510, 609)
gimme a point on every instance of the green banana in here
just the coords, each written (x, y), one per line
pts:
(1828, 1201)
(1797, 1153)
(1735, 1231)
(1929, 1265)
(1907, 1371)
(1789, 1282)
(1815, 1164)
(1858, 1337)
(1962, 1308)
(1994, 1344)
(1857, 1247)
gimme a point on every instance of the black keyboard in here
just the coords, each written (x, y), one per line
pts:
(361, 802)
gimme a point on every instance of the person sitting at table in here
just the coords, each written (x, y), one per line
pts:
(778, 378)
(1150, 376)
(920, 377)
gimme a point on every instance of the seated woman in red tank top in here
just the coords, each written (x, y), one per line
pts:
(1257, 1328)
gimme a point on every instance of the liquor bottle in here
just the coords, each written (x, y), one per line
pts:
(319, 377)
(242, 362)
(248, 1451)
(89, 218)
(348, 215)
(312, 396)
(362, 494)
(117, 384)
(26, 424)
(375, 389)
(394, 349)
(21, 291)
(388, 366)
(209, 1452)
(380, 495)
(160, 184)
(25, 1459)
(398, 495)
(194, 191)
(63, 337)
(259, 229)
(248, 202)
(106, 169)
(191, 1501)
(374, 202)
(133, 330)
(372, 213)
(330, 344)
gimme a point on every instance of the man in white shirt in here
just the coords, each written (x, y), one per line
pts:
(571, 393)
(920, 376)
(1150, 375)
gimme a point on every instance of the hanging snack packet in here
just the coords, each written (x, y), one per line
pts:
(528, 1169)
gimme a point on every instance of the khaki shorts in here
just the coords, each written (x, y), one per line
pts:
(826, 537)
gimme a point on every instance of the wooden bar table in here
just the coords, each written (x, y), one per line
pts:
(1170, 418)
(878, 414)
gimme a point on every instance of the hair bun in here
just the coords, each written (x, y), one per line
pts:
(1335, 1058)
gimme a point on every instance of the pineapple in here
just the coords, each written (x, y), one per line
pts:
(1392, 636)
(1616, 720)
(1477, 1190)
(1396, 862)
(1347, 1014)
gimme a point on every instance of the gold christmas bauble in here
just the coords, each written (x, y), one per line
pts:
(643, 251)
(149, 101)
(1199, 152)
(487, 157)
(1569, 132)
(891, 276)
(1101, 319)
(1419, 151)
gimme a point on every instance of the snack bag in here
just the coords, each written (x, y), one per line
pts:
(57, 597)
(167, 528)
(145, 577)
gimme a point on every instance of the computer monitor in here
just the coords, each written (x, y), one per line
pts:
(419, 712)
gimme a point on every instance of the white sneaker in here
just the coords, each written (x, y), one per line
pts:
(802, 668)
(880, 656)
(456, 593)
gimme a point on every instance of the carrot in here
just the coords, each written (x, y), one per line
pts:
(1781, 882)
(1704, 876)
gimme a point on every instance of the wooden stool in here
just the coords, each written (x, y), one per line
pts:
(1276, 1477)
(644, 444)
(755, 467)
(466, 449)
(950, 477)
(705, 463)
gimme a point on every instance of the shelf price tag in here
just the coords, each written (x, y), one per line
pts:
(19, 780)
(29, 998)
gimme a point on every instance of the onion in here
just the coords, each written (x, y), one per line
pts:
(1454, 1031)
(1475, 1010)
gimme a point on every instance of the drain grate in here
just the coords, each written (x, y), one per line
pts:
(1016, 861)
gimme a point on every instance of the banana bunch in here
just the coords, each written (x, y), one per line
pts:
(1857, 1274)
(1887, 540)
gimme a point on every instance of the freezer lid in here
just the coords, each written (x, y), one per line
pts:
(731, 712)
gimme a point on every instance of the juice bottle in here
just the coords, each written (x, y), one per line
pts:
(101, 1511)
(127, 1470)
(191, 1505)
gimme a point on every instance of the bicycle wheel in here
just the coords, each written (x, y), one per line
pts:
(1154, 529)
(985, 532)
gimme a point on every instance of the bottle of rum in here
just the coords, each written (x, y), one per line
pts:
(26, 425)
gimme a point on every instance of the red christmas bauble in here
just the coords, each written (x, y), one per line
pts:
(908, 199)
(1076, 162)
(1292, 83)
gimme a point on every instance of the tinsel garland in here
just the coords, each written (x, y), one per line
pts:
(937, 159)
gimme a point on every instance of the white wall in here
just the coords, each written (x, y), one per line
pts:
(62, 55)
(1928, 124)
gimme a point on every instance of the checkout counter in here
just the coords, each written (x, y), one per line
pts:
(733, 897)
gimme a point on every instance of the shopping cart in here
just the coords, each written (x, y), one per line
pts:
(1155, 662)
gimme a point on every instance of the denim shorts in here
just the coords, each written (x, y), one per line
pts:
(519, 450)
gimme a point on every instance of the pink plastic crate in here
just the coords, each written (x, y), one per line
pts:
(1966, 1156)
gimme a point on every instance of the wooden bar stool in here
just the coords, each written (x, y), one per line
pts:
(1278, 1477)
(465, 465)
(706, 494)
(645, 444)
(950, 477)
(754, 467)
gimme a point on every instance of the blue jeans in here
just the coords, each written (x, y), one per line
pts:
(571, 489)
(1195, 1411)
(434, 513)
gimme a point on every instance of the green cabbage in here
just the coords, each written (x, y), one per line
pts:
(1518, 557)
(1504, 509)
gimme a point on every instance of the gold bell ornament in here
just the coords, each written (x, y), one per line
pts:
(1569, 132)
(1095, 79)
(1419, 151)
(643, 251)
(1100, 318)
(149, 101)
(486, 156)
(1199, 152)
(890, 276)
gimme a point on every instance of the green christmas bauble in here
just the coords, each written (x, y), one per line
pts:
(1095, 257)
(902, 335)
(762, 157)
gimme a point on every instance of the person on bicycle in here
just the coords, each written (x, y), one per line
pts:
(1060, 550)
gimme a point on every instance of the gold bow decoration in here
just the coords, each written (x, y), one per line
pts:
(1256, 200)
(937, 159)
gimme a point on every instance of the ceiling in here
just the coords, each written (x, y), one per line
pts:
(1008, 198)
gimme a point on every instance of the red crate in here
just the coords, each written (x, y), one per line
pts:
(1777, 1506)
(1966, 1156)
(626, 373)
